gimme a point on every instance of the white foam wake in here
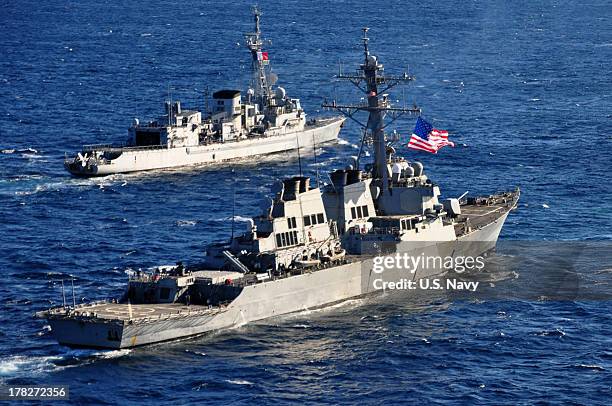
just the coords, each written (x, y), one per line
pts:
(238, 382)
(23, 365)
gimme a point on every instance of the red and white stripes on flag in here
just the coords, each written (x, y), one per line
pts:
(420, 144)
(440, 137)
(436, 139)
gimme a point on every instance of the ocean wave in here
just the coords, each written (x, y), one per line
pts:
(45, 330)
(9, 151)
(593, 367)
(186, 223)
(345, 142)
(236, 218)
(597, 237)
(27, 366)
(112, 354)
(551, 333)
(200, 353)
(31, 156)
(239, 382)
(27, 185)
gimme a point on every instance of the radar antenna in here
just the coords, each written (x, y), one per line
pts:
(369, 80)
(259, 62)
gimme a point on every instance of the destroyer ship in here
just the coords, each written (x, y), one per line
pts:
(265, 121)
(312, 246)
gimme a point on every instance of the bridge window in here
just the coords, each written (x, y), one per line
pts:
(287, 239)
(359, 212)
(314, 219)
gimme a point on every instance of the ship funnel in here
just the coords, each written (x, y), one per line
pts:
(338, 178)
(304, 184)
(291, 188)
(353, 176)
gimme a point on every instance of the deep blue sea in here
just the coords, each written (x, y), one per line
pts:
(524, 88)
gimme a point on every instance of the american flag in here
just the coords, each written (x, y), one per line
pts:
(428, 139)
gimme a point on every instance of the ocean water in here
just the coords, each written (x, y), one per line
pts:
(524, 89)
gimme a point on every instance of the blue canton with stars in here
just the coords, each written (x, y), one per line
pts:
(422, 128)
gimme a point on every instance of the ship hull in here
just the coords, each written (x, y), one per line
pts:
(135, 160)
(261, 301)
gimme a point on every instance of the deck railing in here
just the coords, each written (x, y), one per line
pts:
(97, 147)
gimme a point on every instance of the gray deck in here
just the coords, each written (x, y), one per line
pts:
(121, 311)
(483, 213)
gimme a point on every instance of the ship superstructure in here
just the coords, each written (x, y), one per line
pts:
(310, 246)
(264, 120)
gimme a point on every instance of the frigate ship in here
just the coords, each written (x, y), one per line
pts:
(266, 120)
(312, 246)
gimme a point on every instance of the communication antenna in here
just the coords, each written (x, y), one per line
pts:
(206, 96)
(259, 67)
(73, 296)
(233, 203)
(314, 149)
(371, 81)
(297, 139)
(63, 295)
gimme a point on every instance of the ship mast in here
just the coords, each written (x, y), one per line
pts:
(254, 43)
(370, 80)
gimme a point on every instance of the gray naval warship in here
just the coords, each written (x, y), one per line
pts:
(266, 121)
(312, 246)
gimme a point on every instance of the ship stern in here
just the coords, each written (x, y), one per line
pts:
(83, 333)
(76, 168)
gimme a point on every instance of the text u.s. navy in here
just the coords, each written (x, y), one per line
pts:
(425, 284)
